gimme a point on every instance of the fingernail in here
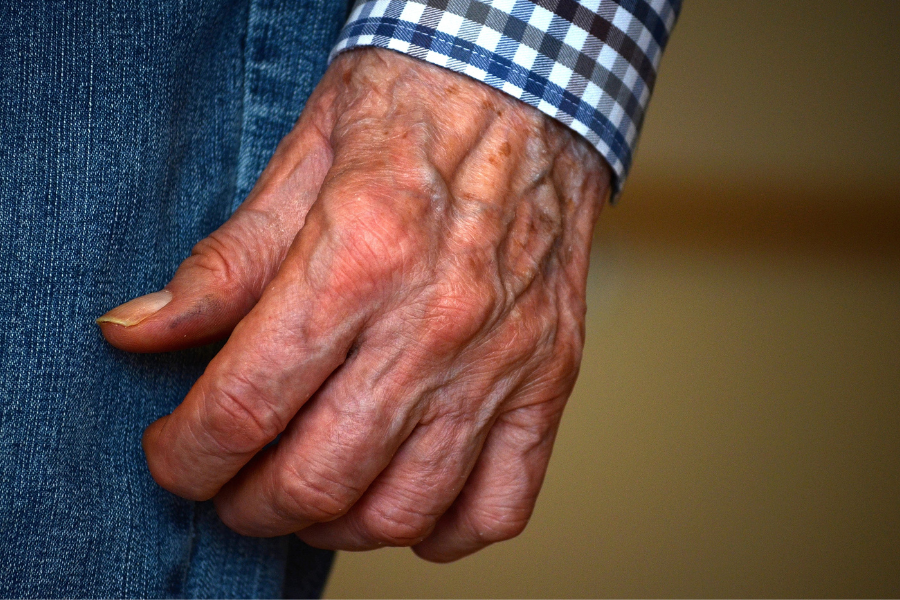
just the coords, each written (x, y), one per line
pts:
(134, 311)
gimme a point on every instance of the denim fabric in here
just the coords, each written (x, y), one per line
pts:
(129, 130)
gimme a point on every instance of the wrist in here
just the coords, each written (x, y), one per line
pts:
(393, 100)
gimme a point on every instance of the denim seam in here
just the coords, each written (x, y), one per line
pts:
(243, 161)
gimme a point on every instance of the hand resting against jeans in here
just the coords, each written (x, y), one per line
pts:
(403, 295)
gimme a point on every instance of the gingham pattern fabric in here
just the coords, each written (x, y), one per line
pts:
(591, 64)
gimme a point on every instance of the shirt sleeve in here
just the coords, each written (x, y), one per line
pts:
(590, 64)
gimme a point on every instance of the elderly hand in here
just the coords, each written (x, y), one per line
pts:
(404, 293)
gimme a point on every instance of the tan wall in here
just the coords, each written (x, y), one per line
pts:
(786, 91)
(736, 427)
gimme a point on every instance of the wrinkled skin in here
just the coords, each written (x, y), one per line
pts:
(404, 293)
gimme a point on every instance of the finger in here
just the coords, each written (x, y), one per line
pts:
(405, 502)
(330, 453)
(353, 427)
(226, 273)
(499, 496)
(298, 333)
(352, 254)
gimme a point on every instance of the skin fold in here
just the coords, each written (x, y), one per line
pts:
(403, 292)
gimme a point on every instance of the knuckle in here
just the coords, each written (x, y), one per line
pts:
(499, 524)
(376, 244)
(238, 417)
(314, 495)
(397, 525)
(227, 254)
(460, 310)
(214, 254)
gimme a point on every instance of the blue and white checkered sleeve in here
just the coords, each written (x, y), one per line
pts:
(591, 64)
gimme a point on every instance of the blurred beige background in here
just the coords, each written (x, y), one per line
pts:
(736, 427)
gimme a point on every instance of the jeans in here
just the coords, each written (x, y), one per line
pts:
(129, 130)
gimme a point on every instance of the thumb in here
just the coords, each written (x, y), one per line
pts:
(222, 279)
(211, 291)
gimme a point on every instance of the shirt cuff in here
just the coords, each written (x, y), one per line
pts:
(590, 64)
